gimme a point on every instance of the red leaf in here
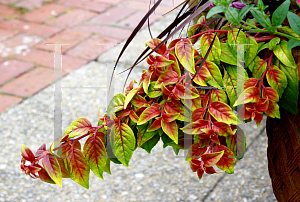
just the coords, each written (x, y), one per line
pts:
(172, 45)
(139, 101)
(210, 170)
(146, 82)
(155, 125)
(150, 60)
(130, 87)
(40, 150)
(212, 158)
(198, 114)
(195, 165)
(222, 129)
(174, 66)
(195, 151)
(78, 127)
(174, 108)
(200, 173)
(202, 76)
(77, 166)
(169, 77)
(250, 95)
(222, 112)
(277, 80)
(227, 161)
(52, 167)
(258, 117)
(185, 53)
(148, 113)
(271, 93)
(45, 177)
(155, 42)
(171, 129)
(133, 116)
(273, 110)
(194, 128)
(251, 82)
(27, 153)
(64, 172)
(204, 100)
(170, 117)
(94, 152)
(162, 61)
(263, 105)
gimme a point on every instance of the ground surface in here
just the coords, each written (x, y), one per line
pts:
(160, 176)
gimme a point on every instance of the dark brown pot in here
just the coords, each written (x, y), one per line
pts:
(284, 151)
(284, 155)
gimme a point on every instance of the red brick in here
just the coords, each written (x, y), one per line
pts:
(67, 36)
(31, 28)
(7, 101)
(29, 4)
(113, 15)
(19, 44)
(142, 6)
(5, 34)
(72, 18)
(45, 12)
(8, 11)
(133, 20)
(113, 2)
(90, 49)
(86, 4)
(114, 32)
(47, 59)
(12, 68)
(30, 82)
(7, 1)
(168, 3)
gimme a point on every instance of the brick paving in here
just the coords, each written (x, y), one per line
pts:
(91, 27)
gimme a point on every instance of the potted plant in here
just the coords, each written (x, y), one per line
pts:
(194, 100)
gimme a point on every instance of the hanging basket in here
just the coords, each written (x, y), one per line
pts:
(284, 152)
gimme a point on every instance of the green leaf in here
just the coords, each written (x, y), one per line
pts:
(232, 15)
(205, 42)
(284, 55)
(251, 51)
(228, 54)
(293, 43)
(215, 74)
(124, 143)
(237, 37)
(78, 127)
(280, 13)
(289, 98)
(151, 143)
(154, 92)
(273, 43)
(294, 21)
(260, 17)
(215, 10)
(52, 167)
(244, 11)
(129, 96)
(230, 81)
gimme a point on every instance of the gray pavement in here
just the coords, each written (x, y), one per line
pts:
(160, 176)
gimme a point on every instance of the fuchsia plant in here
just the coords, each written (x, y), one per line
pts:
(165, 107)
